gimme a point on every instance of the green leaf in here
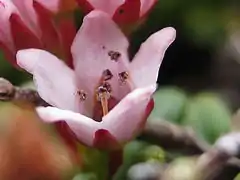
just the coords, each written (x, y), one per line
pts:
(169, 104)
(95, 161)
(152, 153)
(207, 114)
(138, 151)
(181, 169)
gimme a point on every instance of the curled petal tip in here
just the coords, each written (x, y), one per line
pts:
(149, 90)
(172, 32)
(42, 113)
(96, 14)
(24, 59)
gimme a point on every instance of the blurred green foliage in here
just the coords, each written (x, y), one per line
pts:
(139, 151)
(85, 176)
(95, 161)
(169, 104)
(208, 115)
(181, 169)
(205, 112)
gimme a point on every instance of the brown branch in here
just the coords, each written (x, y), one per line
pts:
(220, 161)
(9, 92)
(173, 137)
(216, 163)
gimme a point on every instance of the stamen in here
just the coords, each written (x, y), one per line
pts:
(82, 95)
(103, 94)
(114, 55)
(104, 103)
(107, 75)
(123, 77)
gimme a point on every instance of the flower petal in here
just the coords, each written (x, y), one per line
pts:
(128, 12)
(55, 81)
(25, 7)
(98, 37)
(146, 63)
(124, 121)
(23, 37)
(7, 8)
(146, 6)
(83, 127)
(104, 140)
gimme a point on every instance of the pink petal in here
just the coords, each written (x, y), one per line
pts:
(40, 15)
(25, 7)
(58, 6)
(124, 121)
(83, 127)
(54, 80)
(108, 6)
(146, 6)
(23, 37)
(128, 12)
(96, 38)
(145, 66)
(121, 123)
(49, 33)
(6, 10)
(105, 141)
(67, 31)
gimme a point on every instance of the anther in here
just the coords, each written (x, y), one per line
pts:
(107, 86)
(123, 76)
(114, 55)
(82, 95)
(107, 75)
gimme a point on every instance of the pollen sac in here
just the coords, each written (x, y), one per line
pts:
(114, 55)
(107, 86)
(104, 91)
(82, 95)
(107, 75)
(123, 76)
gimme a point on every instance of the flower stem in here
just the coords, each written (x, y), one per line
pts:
(115, 161)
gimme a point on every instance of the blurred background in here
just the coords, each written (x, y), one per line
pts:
(199, 79)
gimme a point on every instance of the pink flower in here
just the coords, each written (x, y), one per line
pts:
(32, 24)
(122, 11)
(106, 99)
